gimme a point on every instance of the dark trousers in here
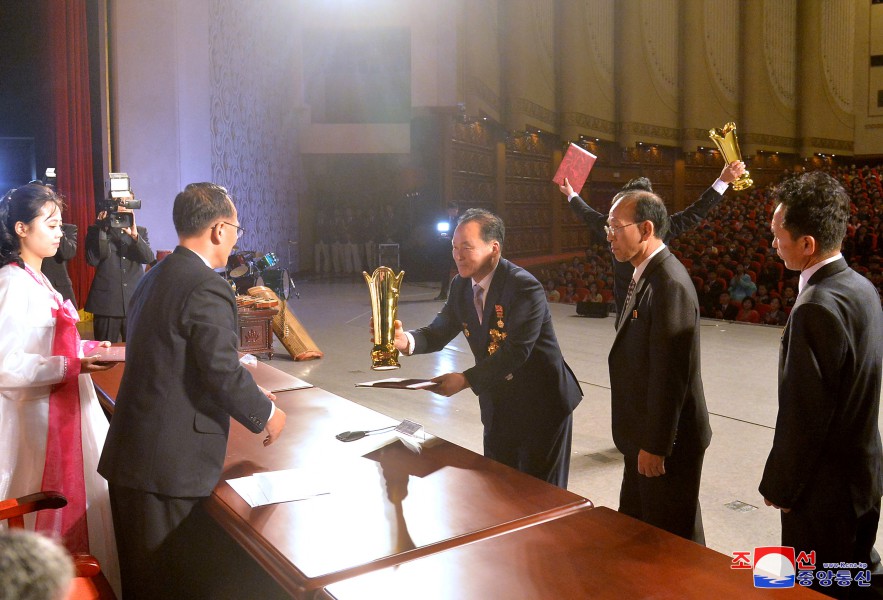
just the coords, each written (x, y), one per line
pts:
(170, 548)
(670, 501)
(539, 449)
(109, 329)
(156, 540)
(829, 526)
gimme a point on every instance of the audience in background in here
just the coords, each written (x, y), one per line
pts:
(747, 314)
(775, 315)
(730, 254)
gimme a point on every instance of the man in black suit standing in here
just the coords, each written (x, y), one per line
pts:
(526, 391)
(660, 421)
(183, 382)
(825, 469)
(687, 219)
(119, 256)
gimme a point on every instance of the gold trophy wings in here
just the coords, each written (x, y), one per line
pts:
(384, 286)
(726, 141)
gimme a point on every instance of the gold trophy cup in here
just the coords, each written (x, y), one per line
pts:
(726, 141)
(384, 286)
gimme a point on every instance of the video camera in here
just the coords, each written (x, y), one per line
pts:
(120, 196)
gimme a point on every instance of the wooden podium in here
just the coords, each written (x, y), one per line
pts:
(256, 331)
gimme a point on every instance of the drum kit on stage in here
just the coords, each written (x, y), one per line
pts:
(246, 270)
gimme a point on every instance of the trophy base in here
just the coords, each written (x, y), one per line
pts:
(742, 183)
(384, 360)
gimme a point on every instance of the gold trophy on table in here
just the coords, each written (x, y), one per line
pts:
(726, 141)
(384, 286)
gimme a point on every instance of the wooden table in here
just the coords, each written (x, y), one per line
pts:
(597, 553)
(389, 505)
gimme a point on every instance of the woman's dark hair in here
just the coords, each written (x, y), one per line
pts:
(21, 204)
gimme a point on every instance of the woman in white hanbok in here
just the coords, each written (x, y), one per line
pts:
(52, 428)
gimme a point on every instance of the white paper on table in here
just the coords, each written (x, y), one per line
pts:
(288, 485)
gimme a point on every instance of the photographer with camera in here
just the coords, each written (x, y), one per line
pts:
(118, 249)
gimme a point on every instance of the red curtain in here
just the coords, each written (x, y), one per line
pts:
(68, 68)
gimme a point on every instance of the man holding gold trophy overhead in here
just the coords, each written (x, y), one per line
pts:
(526, 391)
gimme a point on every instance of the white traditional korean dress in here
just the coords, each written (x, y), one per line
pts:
(42, 395)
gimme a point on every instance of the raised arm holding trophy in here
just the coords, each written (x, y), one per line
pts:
(726, 141)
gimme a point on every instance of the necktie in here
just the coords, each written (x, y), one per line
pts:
(628, 298)
(477, 293)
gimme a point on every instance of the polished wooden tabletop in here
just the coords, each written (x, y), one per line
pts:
(597, 553)
(386, 504)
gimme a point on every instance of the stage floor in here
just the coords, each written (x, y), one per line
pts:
(739, 370)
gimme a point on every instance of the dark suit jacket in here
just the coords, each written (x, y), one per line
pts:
(827, 440)
(119, 262)
(55, 267)
(541, 385)
(655, 379)
(182, 383)
(685, 220)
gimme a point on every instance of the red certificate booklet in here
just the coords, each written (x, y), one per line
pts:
(575, 166)
(112, 354)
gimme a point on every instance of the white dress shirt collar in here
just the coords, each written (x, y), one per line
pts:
(806, 274)
(485, 284)
(639, 270)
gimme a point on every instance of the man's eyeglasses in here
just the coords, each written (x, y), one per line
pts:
(239, 230)
(611, 231)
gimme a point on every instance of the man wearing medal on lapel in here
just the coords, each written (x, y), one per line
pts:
(660, 421)
(526, 391)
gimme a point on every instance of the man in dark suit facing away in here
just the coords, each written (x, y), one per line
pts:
(526, 391)
(825, 471)
(183, 382)
(660, 421)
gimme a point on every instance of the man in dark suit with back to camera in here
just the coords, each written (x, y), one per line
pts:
(526, 391)
(660, 421)
(825, 469)
(687, 219)
(118, 255)
(183, 382)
